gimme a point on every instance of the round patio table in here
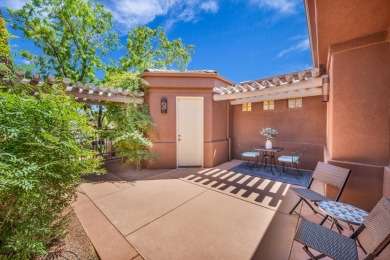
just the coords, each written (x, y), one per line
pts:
(269, 154)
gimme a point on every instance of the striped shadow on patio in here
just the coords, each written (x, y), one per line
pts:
(290, 176)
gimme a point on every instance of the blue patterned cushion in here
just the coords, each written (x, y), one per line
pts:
(343, 211)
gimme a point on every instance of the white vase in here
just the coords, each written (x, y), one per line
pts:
(268, 144)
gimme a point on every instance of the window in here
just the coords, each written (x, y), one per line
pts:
(294, 102)
(246, 107)
(268, 105)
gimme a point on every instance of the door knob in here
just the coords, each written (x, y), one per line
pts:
(179, 139)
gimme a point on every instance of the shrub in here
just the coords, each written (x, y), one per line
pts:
(132, 124)
(40, 167)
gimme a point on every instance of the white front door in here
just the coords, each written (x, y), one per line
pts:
(189, 131)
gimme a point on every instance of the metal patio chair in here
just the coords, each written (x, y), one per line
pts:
(293, 159)
(340, 247)
(327, 174)
(247, 154)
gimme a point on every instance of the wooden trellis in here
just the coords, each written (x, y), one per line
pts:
(88, 93)
(299, 84)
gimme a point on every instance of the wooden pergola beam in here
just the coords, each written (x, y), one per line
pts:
(82, 93)
(279, 96)
(301, 85)
(104, 96)
(91, 102)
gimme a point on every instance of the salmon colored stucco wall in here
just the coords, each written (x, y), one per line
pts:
(364, 186)
(298, 128)
(386, 182)
(176, 85)
(358, 120)
(360, 97)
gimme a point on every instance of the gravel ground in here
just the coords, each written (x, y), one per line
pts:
(76, 242)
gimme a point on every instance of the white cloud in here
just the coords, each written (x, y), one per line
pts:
(13, 4)
(298, 37)
(131, 13)
(302, 45)
(282, 6)
(209, 6)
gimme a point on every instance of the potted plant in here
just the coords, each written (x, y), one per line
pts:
(269, 133)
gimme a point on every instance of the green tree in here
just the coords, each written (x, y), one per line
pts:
(146, 48)
(42, 156)
(150, 49)
(72, 35)
(132, 122)
(5, 52)
(41, 161)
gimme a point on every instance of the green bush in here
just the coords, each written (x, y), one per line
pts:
(132, 124)
(40, 167)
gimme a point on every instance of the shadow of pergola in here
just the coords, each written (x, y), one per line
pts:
(250, 188)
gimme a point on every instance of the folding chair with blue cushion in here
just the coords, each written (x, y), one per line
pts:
(327, 174)
(340, 247)
(293, 159)
(248, 155)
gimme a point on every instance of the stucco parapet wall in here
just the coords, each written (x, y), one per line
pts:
(360, 42)
(335, 21)
(199, 79)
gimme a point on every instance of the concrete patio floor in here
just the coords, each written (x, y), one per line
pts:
(189, 214)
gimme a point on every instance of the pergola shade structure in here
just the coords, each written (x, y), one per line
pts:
(298, 84)
(88, 93)
(98, 95)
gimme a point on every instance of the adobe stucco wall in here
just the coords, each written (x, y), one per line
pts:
(172, 85)
(386, 182)
(358, 115)
(298, 128)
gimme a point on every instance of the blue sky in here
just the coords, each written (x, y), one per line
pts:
(241, 39)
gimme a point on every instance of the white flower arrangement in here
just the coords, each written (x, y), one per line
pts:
(269, 133)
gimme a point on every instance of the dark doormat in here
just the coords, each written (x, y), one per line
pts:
(290, 175)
